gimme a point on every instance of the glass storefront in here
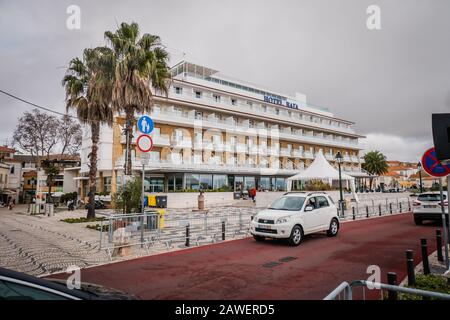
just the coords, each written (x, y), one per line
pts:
(220, 181)
(175, 182)
(154, 184)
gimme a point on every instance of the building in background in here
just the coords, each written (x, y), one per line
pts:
(214, 132)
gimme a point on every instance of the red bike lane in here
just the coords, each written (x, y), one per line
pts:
(246, 269)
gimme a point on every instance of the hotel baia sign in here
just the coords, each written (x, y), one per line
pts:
(280, 102)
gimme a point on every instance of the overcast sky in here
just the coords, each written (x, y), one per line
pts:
(388, 81)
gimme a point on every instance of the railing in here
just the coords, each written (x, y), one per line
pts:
(345, 291)
(148, 231)
(375, 207)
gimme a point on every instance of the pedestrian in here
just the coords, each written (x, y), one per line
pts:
(252, 194)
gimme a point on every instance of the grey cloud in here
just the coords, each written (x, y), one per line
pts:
(387, 81)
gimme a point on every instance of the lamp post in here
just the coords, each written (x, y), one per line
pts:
(341, 200)
(419, 166)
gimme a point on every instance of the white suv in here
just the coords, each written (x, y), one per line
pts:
(428, 207)
(294, 215)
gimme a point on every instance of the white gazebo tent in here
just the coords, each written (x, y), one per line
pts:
(321, 169)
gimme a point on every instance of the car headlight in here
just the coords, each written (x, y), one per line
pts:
(283, 219)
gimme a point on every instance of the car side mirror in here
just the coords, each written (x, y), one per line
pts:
(309, 208)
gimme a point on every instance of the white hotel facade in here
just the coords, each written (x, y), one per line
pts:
(213, 132)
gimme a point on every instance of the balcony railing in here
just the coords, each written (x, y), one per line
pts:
(168, 117)
(286, 152)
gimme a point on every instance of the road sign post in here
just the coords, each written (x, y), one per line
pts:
(145, 144)
(435, 168)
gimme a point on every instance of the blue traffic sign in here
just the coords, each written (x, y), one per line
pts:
(145, 124)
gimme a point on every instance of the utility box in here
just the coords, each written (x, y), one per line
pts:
(161, 201)
(161, 214)
(151, 200)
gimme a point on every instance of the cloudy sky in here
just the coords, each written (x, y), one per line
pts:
(388, 81)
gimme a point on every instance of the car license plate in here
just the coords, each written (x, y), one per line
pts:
(429, 207)
(263, 226)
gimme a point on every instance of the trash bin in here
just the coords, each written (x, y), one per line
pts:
(151, 200)
(201, 201)
(161, 201)
(237, 195)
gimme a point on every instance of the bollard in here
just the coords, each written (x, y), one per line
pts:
(392, 280)
(353, 212)
(409, 205)
(367, 211)
(410, 268)
(187, 236)
(426, 265)
(223, 230)
(400, 207)
(379, 209)
(390, 207)
(439, 245)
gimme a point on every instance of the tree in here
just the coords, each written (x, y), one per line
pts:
(141, 63)
(129, 197)
(51, 170)
(375, 164)
(88, 86)
(37, 133)
(69, 135)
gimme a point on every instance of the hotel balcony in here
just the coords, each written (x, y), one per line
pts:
(273, 152)
(329, 157)
(181, 119)
(298, 154)
(181, 143)
(354, 159)
(286, 152)
(160, 140)
(241, 148)
(240, 106)
(308, 155)
(253, 149)
(346, 159)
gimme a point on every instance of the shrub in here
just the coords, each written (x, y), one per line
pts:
(82, 220)
(97, 227)
(430, 282)
(128, 198)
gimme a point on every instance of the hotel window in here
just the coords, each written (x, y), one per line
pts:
(233, 101)
(264, 108)
(216, 97)
(198, 115)
(249, 103)
(178, 90)
(277, 111)
(107, 184)
(198, 94)
(289, 114)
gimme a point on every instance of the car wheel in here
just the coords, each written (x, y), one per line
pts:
(417, 221)
(259, 238)
(334, 228)
(296, 236)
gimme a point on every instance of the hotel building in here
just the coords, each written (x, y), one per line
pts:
(213, 132)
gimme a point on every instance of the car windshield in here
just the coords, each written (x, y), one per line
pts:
(430, 197)
(288, 203)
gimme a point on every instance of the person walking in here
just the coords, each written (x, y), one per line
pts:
(252, 194)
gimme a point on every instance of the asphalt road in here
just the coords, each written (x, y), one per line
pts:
(245, 269)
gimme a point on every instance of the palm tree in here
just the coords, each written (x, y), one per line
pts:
(88, 85)
(375, 164)
(141, 63)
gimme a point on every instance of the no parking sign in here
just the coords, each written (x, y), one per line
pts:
(432, 166)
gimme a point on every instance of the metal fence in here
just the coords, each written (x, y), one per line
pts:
(346, 291)
(375, 207)
(186, 228)
(151, 231)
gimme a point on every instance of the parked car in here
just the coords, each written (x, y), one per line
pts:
(295, 215)
(427, 206)
(20, 286)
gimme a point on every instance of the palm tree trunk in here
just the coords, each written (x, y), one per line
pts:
(129, 137)
(95, 133)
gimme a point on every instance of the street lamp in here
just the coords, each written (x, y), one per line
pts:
(339, 158)
(419, 166)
